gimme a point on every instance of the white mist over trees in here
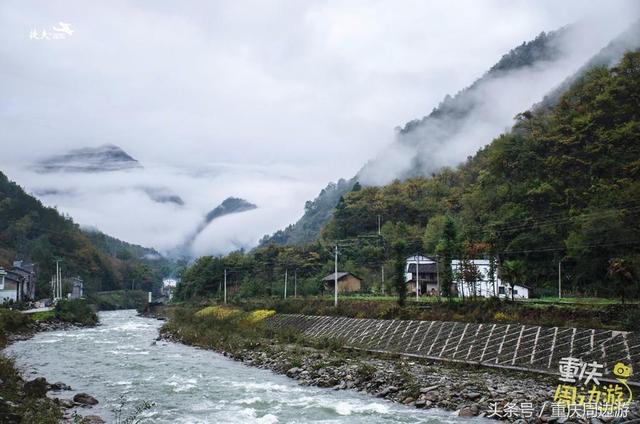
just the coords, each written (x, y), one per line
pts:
(462, 124)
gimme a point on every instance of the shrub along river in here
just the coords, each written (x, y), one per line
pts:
(118, 361)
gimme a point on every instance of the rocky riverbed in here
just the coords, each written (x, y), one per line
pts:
(468, 390)
(40, 394)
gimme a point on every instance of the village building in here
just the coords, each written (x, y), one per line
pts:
(18, 283)
(483, 286)
(347, 282)
(168, 288)
(27, 271)
(77, 288)
(424, 270)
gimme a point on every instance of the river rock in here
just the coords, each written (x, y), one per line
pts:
(387, 391)
(473, 395)
(37, 387)
(292, 372)
(408, 400)
(59, 386)
(66, 403)
(85, 399)
(428, 389)
(92, 419)
(468, 411)
(432, 396)
(340, 386)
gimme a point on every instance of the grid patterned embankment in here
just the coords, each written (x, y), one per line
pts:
(514, 346)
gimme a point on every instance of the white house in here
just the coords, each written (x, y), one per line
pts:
(12, 286)
(421, 271)
(483, 286)
(169, 287)
(6, 293)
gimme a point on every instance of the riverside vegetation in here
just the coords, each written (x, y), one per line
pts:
(607, 316)
(243, 336)
(26, 401)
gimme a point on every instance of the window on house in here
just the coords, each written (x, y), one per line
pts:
(501, 290)
(515, 291)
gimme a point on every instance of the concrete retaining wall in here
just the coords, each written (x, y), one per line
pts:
(514, 346)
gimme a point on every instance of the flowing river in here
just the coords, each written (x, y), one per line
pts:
(118, 362)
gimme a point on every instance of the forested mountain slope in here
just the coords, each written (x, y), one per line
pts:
(33, 232)
(317, 213)
(564, 183)
(425, 145)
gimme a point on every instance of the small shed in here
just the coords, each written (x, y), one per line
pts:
(347, 282)
(77, 288)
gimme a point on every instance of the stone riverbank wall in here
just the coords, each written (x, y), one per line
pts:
(511, 346)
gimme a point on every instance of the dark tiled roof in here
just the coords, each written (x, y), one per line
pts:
(331, 277)
(424, 268)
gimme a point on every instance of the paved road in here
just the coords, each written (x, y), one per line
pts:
(33, 311)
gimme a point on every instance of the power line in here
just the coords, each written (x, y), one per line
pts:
(556, 249)
(545, 223)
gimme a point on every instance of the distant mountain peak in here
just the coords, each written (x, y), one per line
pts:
(104, 158)
(230, 205)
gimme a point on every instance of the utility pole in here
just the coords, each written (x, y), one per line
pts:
(560, 278)
(381, 266)
(225, 286)
(438, 276)
(286, 271)
(335, 278)
(417, 277)
(57, 289)
(295, 283)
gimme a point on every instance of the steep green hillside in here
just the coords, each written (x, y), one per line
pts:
(317, 213)
(543, 48)
(31, 231)
(446, 121)
(563, 184)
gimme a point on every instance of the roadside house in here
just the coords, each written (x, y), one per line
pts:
(7, 287)
(11, 286)
(347, 282)
(18, 283)
(25, 276)
(425, 269)
(77, 288)
(483, 287)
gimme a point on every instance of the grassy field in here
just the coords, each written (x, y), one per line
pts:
(581, 313)
(581, 301)
(541, 300)
(43, 315)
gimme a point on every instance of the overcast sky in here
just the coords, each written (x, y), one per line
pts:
(273, 99)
